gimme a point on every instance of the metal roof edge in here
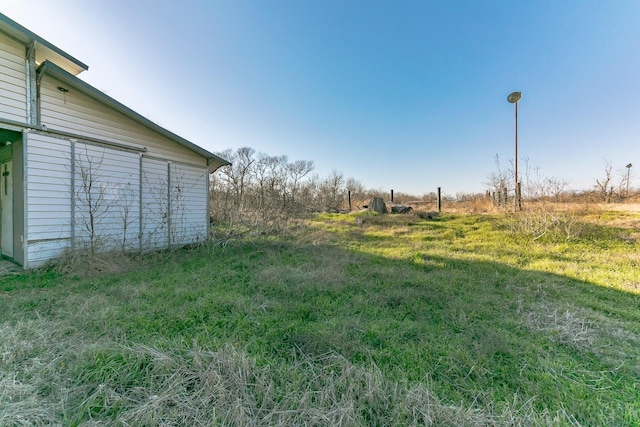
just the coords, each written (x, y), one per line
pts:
(50, 68)
(18, 30)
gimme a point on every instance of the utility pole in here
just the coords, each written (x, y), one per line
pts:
(513, 98)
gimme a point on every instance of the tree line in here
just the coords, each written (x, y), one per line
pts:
(259, 189)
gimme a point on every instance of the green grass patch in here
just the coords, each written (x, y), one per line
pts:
(387, 320)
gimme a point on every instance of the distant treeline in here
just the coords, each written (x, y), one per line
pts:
(261, 188)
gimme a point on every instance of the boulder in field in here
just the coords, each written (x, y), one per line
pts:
(377, 205)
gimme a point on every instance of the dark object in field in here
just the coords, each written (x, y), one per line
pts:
(400, 209)
(428, 215)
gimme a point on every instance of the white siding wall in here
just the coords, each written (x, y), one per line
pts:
(184, 209)
(155, 203)
(80, 114)
(172, 194)
(107, 197)
(13, 101)
(189, 213)
(106, 183)
(48, 180)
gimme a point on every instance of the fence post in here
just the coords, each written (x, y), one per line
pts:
(439, 199)
(349, 195)
(392, 196)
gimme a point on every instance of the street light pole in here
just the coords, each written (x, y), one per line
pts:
(516, 165)
(629, 166)
(513, 98)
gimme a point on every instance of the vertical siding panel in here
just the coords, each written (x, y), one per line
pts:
(48, 197)
(13, 92)
(106, 198)
(188, 204)
(155, 215)
(122, 190)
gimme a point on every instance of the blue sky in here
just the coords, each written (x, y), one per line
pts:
(403, 95)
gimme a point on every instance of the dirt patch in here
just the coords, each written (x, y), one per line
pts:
(8, 267)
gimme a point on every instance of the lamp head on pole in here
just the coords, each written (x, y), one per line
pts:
(514, 97)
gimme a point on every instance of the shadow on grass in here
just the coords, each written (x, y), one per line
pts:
(478, 333)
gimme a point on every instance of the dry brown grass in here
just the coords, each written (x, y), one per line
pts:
(40, 384)
(83, 263)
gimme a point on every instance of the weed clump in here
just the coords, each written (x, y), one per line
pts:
(86, 264)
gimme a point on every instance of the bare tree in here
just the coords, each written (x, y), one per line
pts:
(332, 191)
(238, 174)
(259, 189)
(90, 199)
(261, 173)
(605, 190)
(357, 191)
(244, 160)
(539, 187)
(277, 176)
(296, 172)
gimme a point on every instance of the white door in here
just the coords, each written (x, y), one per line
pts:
(6, 205)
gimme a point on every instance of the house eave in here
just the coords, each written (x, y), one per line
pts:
(213, 161)
(44, 49)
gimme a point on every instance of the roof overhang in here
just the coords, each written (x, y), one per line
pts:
(213, 161)
(43, 49)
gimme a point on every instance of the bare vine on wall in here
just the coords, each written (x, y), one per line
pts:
(90, 198)
(105, 207)
(126, 210)
(181, 189)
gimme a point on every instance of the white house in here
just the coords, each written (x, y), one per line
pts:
(80, 170)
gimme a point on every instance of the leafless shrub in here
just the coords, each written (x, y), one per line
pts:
(544, 220)
(543, 213)
(499, 183)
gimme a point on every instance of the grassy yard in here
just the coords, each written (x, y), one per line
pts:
(388, 320)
